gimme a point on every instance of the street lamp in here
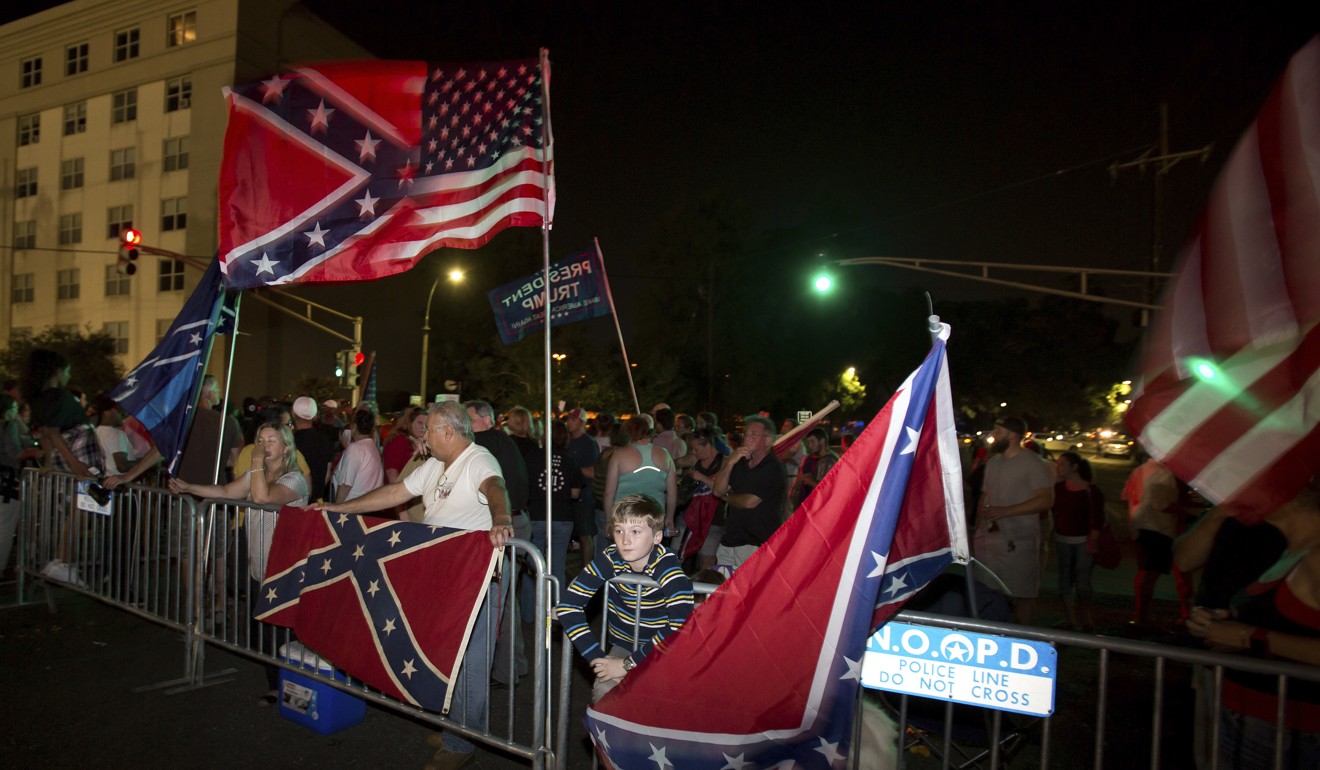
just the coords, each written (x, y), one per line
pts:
(455, 276)
(559, 362)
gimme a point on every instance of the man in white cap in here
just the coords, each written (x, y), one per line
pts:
(315, 447)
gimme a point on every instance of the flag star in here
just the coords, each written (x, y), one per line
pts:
(389, 627)
(830, 751)
(131, 381)
(880, 563)
(601, 740)
(735, 763)
(912, 437)
(273, 89)
(342, 520)
(366, 148)
(374, 588)
(302, 576)
(270, 595)
(432, 145)
(406, 174)
(394, 537)
(316, 236)
(430, 164)
(358, 552)
(896, 584)
(325, 568)
(265, 264)
(408, 669)
(854, 670)
(471, 162)
(366, 205)
(195, 338)
(320, 117)
(658, 757)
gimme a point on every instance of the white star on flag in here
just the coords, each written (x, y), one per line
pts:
(830, 751)
(389, 627)
(394, 537)
(880, 563)
(270, 595)
(316, 235)
(408, 669)
(658, 757)
(854, 670)
(131, 381)
(735, 763)
(358, 552)
(912, 436)
(274, 89)
(320, 117)
(326, 567)
(366, 205)
(366, 148)
(194, 339)
(265, 264)
(373, 588)
(896, 584)
(342, 520)
(602, 741)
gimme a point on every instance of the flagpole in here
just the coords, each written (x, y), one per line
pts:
(609, 295)
(547, 170)
(224, 401)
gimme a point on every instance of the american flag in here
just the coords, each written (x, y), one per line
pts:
(1231, 370)
(779, 646)
(389, 602)
(162, 390)
(349, 171)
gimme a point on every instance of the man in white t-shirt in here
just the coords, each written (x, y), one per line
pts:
(461, 487)
(360, 469)
(115, 446)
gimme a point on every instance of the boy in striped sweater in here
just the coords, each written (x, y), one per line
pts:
(637, 525)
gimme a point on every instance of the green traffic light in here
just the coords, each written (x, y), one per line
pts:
(823, 283)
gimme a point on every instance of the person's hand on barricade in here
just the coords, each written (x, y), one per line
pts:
(1218, 629)
(110, 482)
(179, 486)
(501, 534)
(607, 668)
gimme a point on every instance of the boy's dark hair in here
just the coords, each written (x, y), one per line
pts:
(638, 507)
(364, 422)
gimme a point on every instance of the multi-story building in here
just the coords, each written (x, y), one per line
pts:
(111, 116)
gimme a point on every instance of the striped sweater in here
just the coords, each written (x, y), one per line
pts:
(663, 608)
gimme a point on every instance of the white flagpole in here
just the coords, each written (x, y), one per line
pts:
(547, 170)
(609, 295)
(229, 372)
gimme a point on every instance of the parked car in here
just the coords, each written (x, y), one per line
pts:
(1118, 445)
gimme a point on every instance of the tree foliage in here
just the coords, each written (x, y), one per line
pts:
(94, 369)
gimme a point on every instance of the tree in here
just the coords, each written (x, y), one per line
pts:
(92, 354)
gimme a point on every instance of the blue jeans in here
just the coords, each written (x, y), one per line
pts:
(1075, 566)
(1248, 742)
(472, 684)
(562, 532)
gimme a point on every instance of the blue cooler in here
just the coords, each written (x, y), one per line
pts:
(314, 704)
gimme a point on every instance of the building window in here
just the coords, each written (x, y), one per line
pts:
(23, 288)
(181, 29)
(25, 234)
(29, 72)
(118, 219)
(117, 284)
(29, 129)
(26, 182)
(75, 59)
(66, 284)
(123, 163)
(70, 228)
(171, 275)
(71, 174)
(173, 214)
(126, 44)
(75, 118)
(178, 93)
(123, 106)
(176, 154)
(119, 331)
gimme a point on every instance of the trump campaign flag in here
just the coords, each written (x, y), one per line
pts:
(766, 672)
(389, 602)
(162, 390)
(1229, 394)
(347, 171)
(579, 290)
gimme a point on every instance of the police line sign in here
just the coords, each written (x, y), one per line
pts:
(996, 672)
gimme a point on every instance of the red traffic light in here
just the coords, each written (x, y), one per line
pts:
(131, 237)
(359, 358)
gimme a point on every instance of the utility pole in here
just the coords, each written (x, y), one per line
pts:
(1162, 162)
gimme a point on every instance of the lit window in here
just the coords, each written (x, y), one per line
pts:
(118, 219)
(173, 214)
(123, 163)
(123, 106)
(178, 93)
(29, 129)
(25, 234)
(75, 59)
(171, 275)
(75, 118)
(71, 174)
(176, 154)
(118, 330)
(116, 283)
(66, 284)
(23, 288)
(29, 72)
(126, 44)
(181, 29)
(25, 182)
(70, 228)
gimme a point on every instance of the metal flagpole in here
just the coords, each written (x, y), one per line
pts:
(609, 294)
(547, 172)
(224, 400)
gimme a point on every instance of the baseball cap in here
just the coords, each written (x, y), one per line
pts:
(304, 408)
(330, 403)
(577, 413)
(1013, 423)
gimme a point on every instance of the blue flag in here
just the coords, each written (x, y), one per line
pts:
(162, 390)
(578, 291)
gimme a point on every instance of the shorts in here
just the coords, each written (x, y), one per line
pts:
(1014, 561)
(1154, 552)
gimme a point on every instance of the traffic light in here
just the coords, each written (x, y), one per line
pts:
(355, 359)
(128, 251)
(341, 365)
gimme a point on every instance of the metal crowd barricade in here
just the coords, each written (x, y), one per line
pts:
(232, 549)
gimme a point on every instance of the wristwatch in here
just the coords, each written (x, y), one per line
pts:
(628, 664)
